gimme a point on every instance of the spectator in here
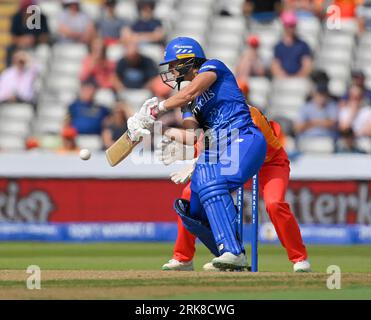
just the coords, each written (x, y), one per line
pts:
(364, 16)
(347, 143)
(116, 126)
(250, 64)
(74, 25)
(292, 56)
(22, 36)
(17, 81)
(147, 29)
(97, 66)
(304, 8)
(319, 116)
(134, 71)
(359, 79)
(83, 114)
(355, 114)
(347, 8)
(32, 143)
(109, 25)
(320, 77)
(69, 144)
(262, 11)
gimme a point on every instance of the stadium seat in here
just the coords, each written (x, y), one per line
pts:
(55, 111)
(286, 105)
(259, 84)
(92, 10)
(258, 100)
(337, 71)
(290, 144)
(310, 26)
(42, 53)
(11, 143)
(62, 83)
(50, 8)
(227, 39)
(336, 56)
(337, 87)
(153, 51)
(91, 142)
(14, 127)
(115, 52)
(70, 51)
(268, 38)
(136, 97)
(69, 68)
(294, 86)
(259, 91)
(316, 145)
(47, 125)
(126, 10)
(340, 39)
(364, 144)
(349, 26)
(105, 97)
(188, 26)
(234, 25)
(17, 111)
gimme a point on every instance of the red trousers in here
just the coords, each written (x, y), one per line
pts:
(273, 181)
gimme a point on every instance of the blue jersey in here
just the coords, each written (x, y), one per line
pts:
(222, 105)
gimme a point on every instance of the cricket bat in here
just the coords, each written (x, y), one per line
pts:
(120, 149)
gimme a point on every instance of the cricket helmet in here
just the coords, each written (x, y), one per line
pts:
(185, 50)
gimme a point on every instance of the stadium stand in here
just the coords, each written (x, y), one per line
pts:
(337, 52)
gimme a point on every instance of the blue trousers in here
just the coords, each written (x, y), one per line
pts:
(219, 172)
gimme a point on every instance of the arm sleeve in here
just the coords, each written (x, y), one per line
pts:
(212, 65)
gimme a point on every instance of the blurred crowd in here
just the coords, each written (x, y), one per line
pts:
(342, 118)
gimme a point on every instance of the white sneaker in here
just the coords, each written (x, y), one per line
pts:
(209, 267)
(302, 266)
(228, 261)
(176, 265)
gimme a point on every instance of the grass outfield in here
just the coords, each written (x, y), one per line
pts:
(132, 271)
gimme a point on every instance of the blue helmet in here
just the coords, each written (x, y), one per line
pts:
(182, 48)
(185, 50)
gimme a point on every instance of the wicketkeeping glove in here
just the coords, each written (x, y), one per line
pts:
(169, 151)
(184, 175)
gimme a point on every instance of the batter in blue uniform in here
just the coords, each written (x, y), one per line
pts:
(234, 149)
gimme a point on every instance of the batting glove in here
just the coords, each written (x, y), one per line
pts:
(136, 130)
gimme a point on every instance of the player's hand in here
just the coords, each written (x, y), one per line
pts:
(184, 175)
(135, 129)
(152, 107)
(148, 105)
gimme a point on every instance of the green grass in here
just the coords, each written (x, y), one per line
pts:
(151, 256)
(354, 262)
